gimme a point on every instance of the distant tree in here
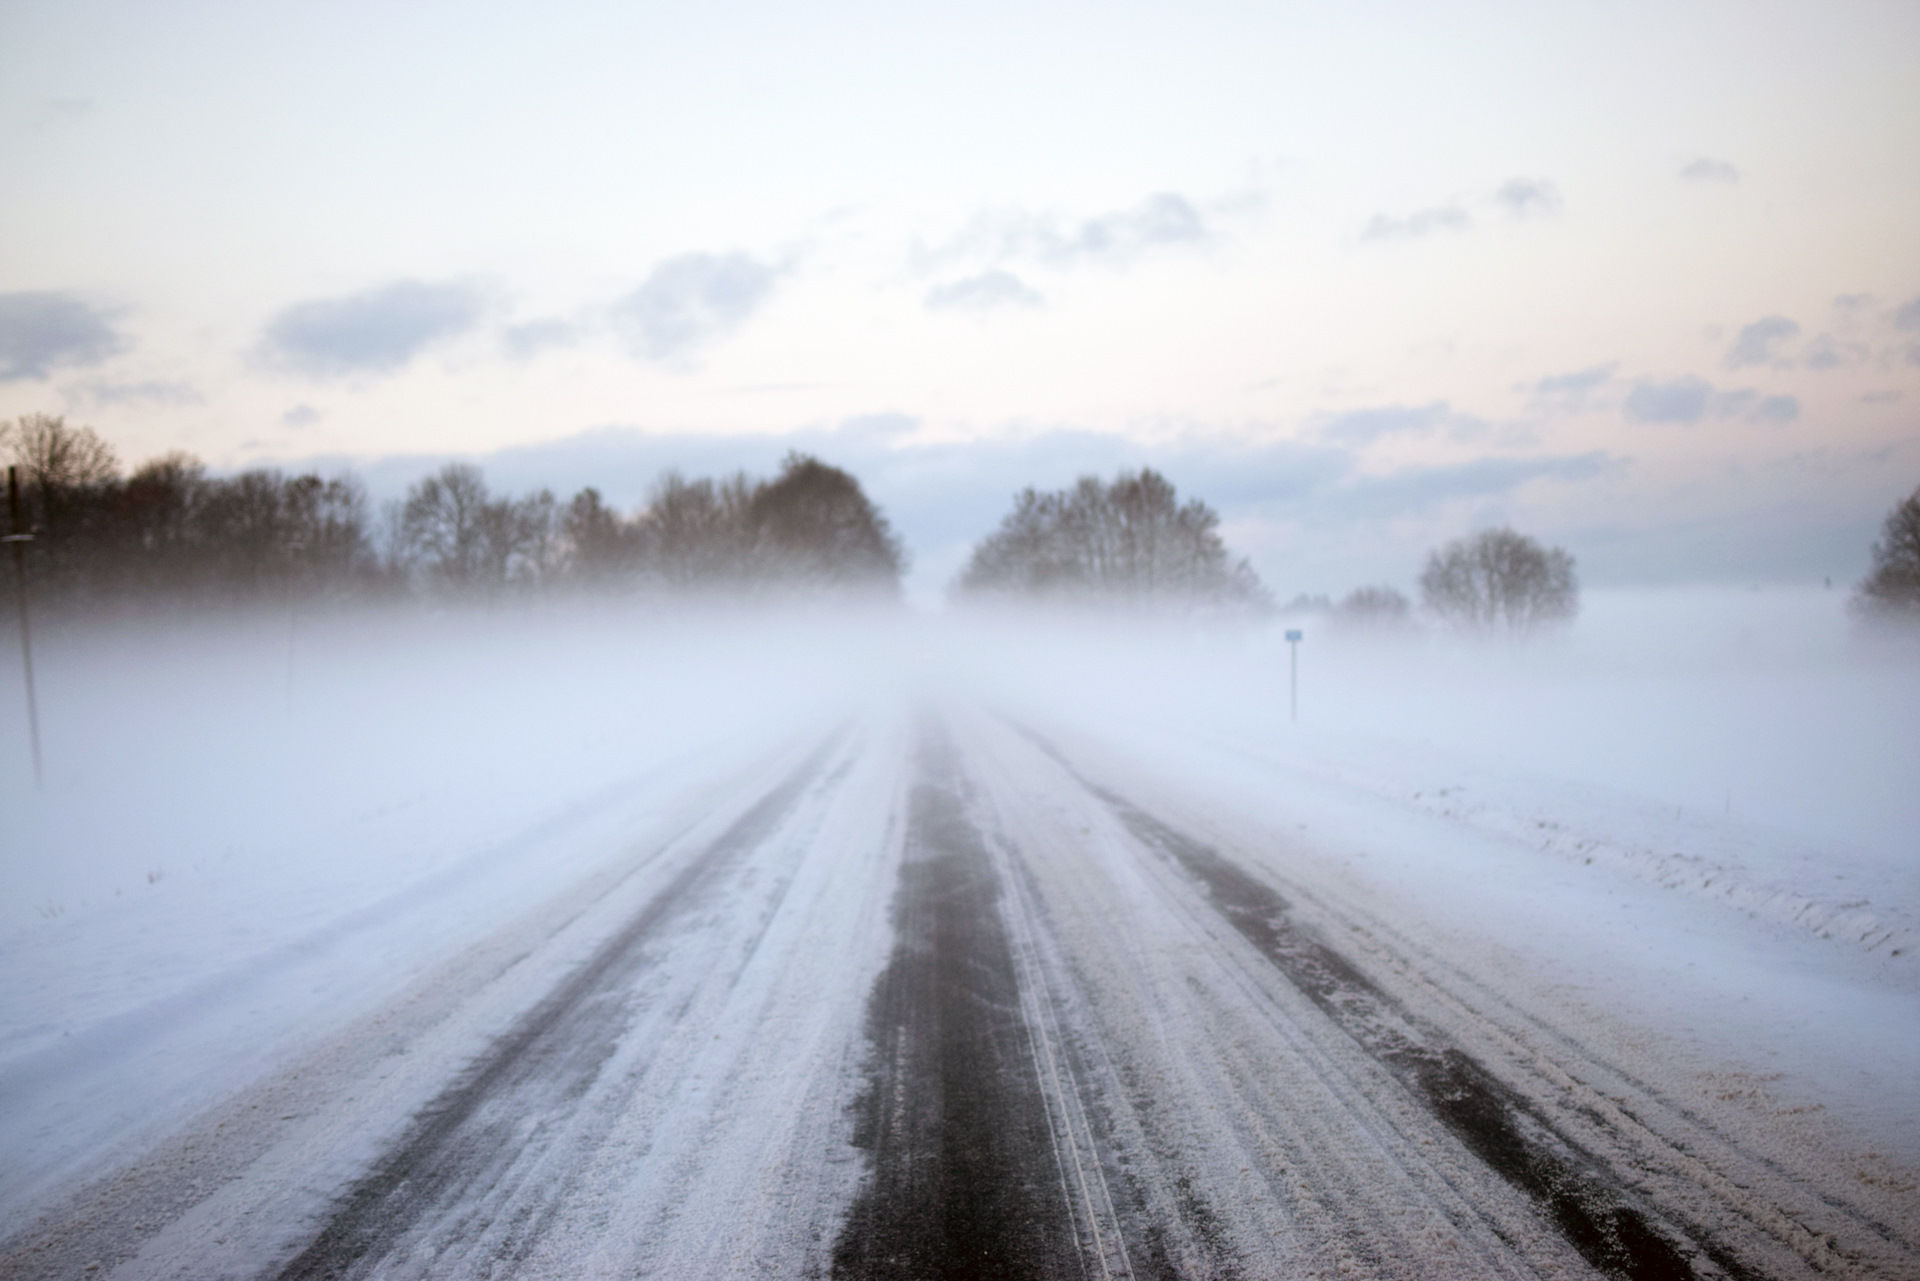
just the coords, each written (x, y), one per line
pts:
(1131, 541)
(599, 546)
(67, 478)
(54, 456)
(1891, 591)
(812, 524)
(696, 533)
(158, 512)
(1500, 580)
(444, 525)
(1378, 609)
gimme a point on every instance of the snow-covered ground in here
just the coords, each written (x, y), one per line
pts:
(1687, 826)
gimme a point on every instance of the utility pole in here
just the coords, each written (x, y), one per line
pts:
(18, 536)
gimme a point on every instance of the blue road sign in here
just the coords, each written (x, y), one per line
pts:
(1295, 636)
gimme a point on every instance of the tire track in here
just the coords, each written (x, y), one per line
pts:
(1243, 1135)
(525, 1086)
(967, 1168)
(1611, 1227)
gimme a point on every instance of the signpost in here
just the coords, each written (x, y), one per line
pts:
(18, 536)
(1294, 638)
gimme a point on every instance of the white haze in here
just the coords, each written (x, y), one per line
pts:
(254, 830)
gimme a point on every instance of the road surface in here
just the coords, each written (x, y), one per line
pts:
(947, 995)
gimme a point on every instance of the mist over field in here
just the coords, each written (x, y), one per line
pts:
(872, 642)
(181, 748)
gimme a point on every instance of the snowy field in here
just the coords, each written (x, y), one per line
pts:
(292, 881)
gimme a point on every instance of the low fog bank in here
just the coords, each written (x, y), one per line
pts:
(1770, 706)
(378, 742)
(180, 749)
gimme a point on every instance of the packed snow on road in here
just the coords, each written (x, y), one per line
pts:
(613, 944)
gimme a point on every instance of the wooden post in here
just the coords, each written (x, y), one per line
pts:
(18, 536)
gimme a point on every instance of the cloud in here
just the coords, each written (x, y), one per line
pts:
(301, 416)
(1756, 343)
(1419, 489)
(1569, 392)
(43, 331)
(1907, 315)
(1776, 410)
(1526, 197)
(1707, 169)
(527, 340)
(694, 299)
(1163, 220)
(983, 292)
(1422, 222)
(1684, 400)
(103, 394)
(1361, 427)
(1827, 352)
(376, 331)
(1887, 397)
(1160, 220)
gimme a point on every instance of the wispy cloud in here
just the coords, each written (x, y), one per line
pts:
(1907, 315)
(1528, 197)
(1420, 489)
(1164, 220)
(102, 393)
(692, 300)
(1707, 169)
(1828, 352)
(1683, 400)
(1421, 222)
(1693, 399)
(984, 292)
(301, 416)
(376, 331)
(529, 339)
(1361, 427)
(41, 331)
(1569, 392)
(1758, 343)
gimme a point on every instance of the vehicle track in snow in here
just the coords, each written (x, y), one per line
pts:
(948, 999)
(1633, 1182)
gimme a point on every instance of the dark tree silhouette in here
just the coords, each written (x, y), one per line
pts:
(695, 533)
(1498, 579)
(812, 524)
(171, 532)
(1131, 541)
(1891, 591)
(600, 548)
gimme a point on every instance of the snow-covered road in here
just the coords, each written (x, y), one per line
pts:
(942, 990)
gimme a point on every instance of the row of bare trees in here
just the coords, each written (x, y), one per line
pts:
(170, 531)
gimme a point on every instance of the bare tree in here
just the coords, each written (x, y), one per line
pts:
(1131, 541)
(599, 546)
(1500, 580)
(697, 532)
(443, 525)
(1891, 591)
(812, 525)
(52, 455)
(1374, 609)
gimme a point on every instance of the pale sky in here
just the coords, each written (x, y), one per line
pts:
(1642, 280)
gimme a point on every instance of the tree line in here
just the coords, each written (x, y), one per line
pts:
(170, 531)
